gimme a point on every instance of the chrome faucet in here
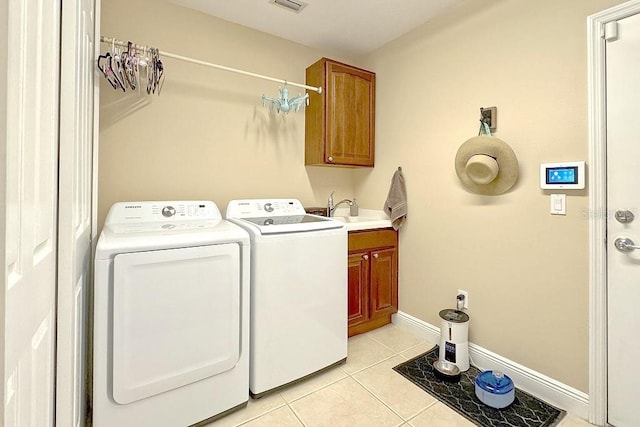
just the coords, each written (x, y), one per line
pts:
(331, 208)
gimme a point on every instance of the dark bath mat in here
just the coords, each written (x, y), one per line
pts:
(525, 411)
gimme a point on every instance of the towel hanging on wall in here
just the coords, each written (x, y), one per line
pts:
(396, 204)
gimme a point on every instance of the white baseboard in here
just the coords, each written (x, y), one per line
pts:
(554, 392)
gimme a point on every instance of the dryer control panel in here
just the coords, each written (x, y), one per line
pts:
(135, 212)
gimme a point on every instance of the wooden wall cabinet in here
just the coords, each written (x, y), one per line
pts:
(340, 122)
(373, 279)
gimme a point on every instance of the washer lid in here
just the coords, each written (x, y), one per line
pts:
(273, 216)
(292, 223)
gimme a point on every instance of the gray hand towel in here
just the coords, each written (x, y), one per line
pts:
(396, 204)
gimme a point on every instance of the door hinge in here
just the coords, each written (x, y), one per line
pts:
(610, 31)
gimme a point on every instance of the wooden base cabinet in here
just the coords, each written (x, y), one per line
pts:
(340, 121)
(373, 279)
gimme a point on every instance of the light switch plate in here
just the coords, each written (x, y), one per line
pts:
(558, 204)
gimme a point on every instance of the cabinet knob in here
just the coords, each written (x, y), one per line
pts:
(375, 255)
(365, 257)
(330, 158)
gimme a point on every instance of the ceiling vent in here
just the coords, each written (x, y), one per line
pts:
(293, 6)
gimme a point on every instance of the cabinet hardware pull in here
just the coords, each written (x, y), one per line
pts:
(330, 158)
(365, 257)
(376, 255)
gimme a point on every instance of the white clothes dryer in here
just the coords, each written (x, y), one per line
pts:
(171, 315)
(299, 291)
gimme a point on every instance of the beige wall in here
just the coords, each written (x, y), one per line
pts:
(207, 136)
(526, 271)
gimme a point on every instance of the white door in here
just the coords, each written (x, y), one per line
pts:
(623, 199)
(74, 213)
(29, 73)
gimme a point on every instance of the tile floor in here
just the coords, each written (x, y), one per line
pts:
(365, 391)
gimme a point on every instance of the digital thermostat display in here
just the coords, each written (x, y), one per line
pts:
(562, 175)
(568, 175)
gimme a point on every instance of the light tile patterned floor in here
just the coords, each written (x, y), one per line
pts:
(364, 391)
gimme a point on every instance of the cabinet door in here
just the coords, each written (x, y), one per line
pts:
(350, 116)
(358, 288)
(384, 279)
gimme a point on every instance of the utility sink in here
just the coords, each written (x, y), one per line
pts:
(350, 219)
(368, 219)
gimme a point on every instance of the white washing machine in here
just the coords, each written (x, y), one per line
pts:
(171, 315)
(298, 291)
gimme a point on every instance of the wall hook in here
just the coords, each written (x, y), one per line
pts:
(489, 115)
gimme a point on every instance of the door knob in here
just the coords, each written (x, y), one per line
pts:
(625, 244)
(624, 217)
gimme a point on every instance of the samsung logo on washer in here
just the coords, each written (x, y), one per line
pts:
(133, 207)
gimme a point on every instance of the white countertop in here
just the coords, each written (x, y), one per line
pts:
(367, 219)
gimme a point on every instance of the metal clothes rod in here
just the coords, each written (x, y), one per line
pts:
(121, 43)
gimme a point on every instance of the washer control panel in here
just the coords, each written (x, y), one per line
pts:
(253, 208)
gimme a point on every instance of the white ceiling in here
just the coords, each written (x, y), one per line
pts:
(352, 27)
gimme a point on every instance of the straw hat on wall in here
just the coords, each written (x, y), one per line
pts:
(486, 165)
